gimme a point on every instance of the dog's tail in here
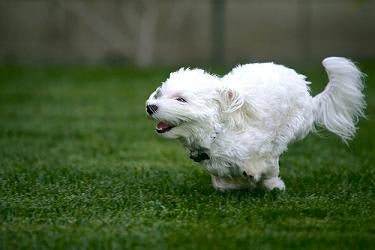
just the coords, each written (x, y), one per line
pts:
(341, 104)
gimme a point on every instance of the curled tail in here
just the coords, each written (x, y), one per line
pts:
(341, 104)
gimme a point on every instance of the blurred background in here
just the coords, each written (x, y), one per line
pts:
(148, 33)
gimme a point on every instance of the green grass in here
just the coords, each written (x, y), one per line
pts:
(81, 167)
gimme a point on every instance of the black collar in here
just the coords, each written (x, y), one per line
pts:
(199, 155)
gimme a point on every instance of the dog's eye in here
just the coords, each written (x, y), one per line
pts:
(180, 99)
(157, 93)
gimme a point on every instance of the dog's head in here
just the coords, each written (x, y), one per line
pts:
(191, 100)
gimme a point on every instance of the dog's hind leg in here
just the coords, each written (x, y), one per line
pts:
(274, 183)
(227, 184)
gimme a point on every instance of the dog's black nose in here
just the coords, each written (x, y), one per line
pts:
(151, 109)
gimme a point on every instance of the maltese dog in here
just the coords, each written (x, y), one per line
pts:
(237, 126)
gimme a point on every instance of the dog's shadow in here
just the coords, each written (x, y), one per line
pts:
(198, 184)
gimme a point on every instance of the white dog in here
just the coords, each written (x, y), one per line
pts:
(237, 126)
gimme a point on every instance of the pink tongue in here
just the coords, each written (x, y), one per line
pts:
(162, 125)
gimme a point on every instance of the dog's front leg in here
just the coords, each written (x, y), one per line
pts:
(264, 170)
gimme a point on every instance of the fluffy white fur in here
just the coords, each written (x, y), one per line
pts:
(246, 119)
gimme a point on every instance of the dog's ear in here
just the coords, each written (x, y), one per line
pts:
(235, 109)
(229, 99)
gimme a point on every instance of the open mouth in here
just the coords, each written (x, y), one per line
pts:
(163, 127)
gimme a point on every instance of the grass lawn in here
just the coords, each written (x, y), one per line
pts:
(81, 167)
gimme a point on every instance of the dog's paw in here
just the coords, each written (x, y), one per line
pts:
(274, 183)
